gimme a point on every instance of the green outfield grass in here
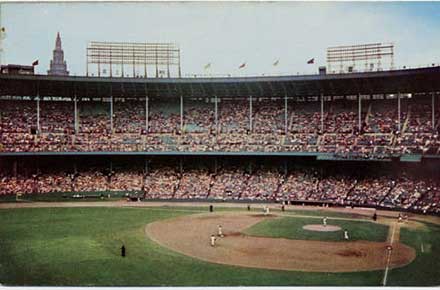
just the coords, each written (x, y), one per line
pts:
(292, 228)
(81, 246)
(426, 268)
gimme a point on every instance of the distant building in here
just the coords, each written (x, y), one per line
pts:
(17, 69)
(58, 66)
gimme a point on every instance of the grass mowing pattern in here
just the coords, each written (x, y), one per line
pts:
(291, 228)
(425, 270)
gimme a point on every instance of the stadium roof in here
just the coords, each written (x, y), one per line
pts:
(419, 80)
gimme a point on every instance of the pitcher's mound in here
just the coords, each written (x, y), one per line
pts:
(321, 228)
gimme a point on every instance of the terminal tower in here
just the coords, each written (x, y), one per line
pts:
(58, 66)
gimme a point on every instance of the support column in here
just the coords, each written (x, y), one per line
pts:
(75, 114)
(111, 114)
(250, 113)
(216, 113)
(146, 114)
(38, 114)
(359, 112)
(322, 113)
(398, 109)
(146, 166)
(433, 110)
(285, 114)
(181, 114)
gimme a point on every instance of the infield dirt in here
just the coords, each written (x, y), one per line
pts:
(189, 235)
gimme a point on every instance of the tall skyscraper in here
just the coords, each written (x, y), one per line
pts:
(58, 66)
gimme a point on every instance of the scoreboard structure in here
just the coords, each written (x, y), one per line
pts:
(349, 58)
(119, 58)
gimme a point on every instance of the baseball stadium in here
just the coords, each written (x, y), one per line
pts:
(135, 174)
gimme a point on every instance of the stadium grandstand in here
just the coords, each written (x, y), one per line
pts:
(366, 138)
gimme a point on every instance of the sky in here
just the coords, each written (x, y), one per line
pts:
(225, 34)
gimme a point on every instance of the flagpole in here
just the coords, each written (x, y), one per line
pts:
(2, 36)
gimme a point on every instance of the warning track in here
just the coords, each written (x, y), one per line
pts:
(189, 235)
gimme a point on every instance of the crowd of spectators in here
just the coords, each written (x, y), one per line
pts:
(339, 132)
(238, 183)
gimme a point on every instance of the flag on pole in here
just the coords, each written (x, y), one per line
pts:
(208, 65)
(242, 65)
(35, 63)
(276, 62)
(311, 61)
(2, 32)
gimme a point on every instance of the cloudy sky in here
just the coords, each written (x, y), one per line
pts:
(224, 34)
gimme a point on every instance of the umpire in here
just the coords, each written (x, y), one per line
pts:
(123, 251)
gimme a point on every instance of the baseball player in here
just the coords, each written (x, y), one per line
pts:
(213, 241)
(220, 231)
(400, 218)
(346, 235)
(266, 212)
(324, 221)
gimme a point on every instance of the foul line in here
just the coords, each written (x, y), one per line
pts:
(385, 277)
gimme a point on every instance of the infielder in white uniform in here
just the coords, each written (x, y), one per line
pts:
(346, 235)
(212, 241)
(220, 231)
(324, 221)
(266, 210)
